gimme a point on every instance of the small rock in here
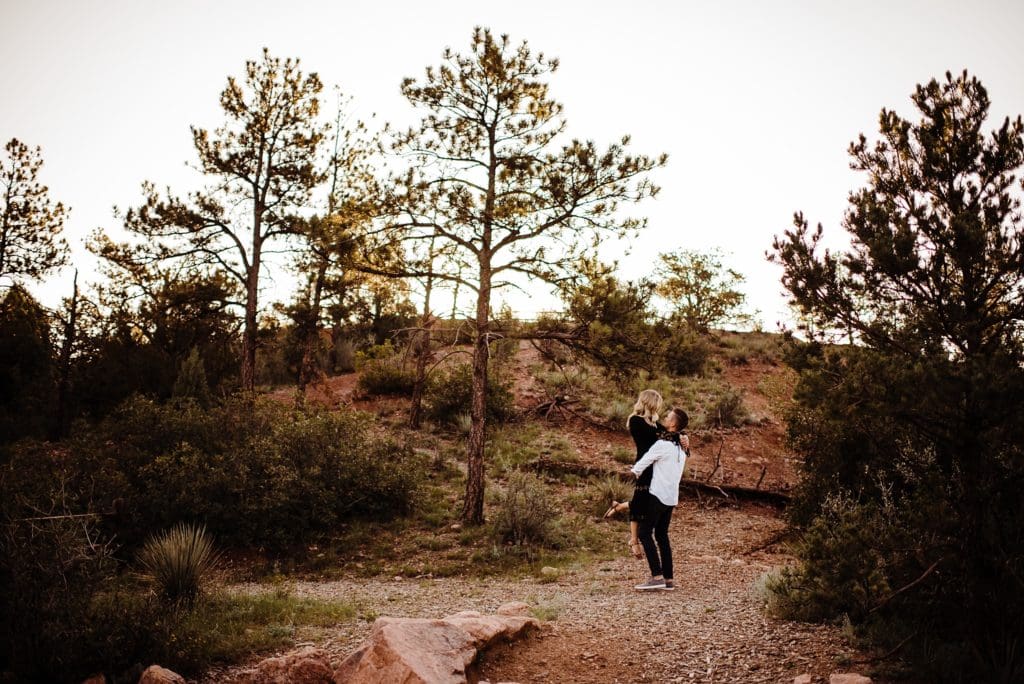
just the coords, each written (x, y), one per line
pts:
(848, 678)
(96, 679)
(803, 679)
(308, 665)
(548, 571)
(456, 526)
(742, 459)
(154, 674)
(514, 608)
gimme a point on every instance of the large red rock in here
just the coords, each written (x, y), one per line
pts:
(420, 651)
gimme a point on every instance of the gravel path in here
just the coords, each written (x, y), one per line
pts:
(598, 629)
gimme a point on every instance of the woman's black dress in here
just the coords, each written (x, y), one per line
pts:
(644, 436)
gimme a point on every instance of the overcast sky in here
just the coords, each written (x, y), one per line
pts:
(755, 102)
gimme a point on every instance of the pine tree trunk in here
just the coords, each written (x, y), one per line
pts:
(249, 333)
(420, 379)
(473, 511)
(310, 337)
(422, 349)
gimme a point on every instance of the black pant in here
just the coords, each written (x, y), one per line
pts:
(657, 523)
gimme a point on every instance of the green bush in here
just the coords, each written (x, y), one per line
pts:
(449, 394)
(624, 455)
(728, 409)
(526, 513)
(343, 357)
(375, 352)
(842, 570)
(62, 614)
(386, 376)
(178, 561)
(256, 474)
(191, 382)
(687, 354)
(68, 611)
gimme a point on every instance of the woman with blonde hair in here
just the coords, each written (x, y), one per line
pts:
(644, 429)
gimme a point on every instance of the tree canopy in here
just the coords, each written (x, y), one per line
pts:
(31, 223)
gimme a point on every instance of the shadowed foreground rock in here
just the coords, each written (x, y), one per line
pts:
(413, 650)
(155, 674)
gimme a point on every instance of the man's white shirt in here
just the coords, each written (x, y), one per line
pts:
(669, 461)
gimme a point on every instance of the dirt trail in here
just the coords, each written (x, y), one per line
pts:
(711, 629)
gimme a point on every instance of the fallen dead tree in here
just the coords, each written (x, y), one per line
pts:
(725, 491)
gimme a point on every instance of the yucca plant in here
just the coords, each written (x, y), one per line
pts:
(178, 561)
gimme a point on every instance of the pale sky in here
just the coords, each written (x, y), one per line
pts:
(755, 102)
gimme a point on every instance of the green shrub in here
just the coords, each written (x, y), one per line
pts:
(525, 512)
(344, 357)
(463, 423)
(386, 376)
(191, 382)
(450, 391)
(26, 366)
(617, 411)
(728, 410)
(687, 354)
(178, 561)
(68, 609)
(62, 613)
(624, 455)
(375, 352)
(255, 474)
(842, 572)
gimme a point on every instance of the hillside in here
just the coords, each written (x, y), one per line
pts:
(597, 629)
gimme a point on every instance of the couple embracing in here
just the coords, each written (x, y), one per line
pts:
(661, 451)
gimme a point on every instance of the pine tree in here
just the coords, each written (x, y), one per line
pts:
(263, 165)
(495, 189)
(30, 222)
(191, 382)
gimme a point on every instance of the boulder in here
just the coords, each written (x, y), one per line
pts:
(308, 665)
(848, 678)
(154, 674)
(412, 651)
(486, 630)
(416, 650)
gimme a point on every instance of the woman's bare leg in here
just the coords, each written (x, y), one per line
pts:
(634, 539)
